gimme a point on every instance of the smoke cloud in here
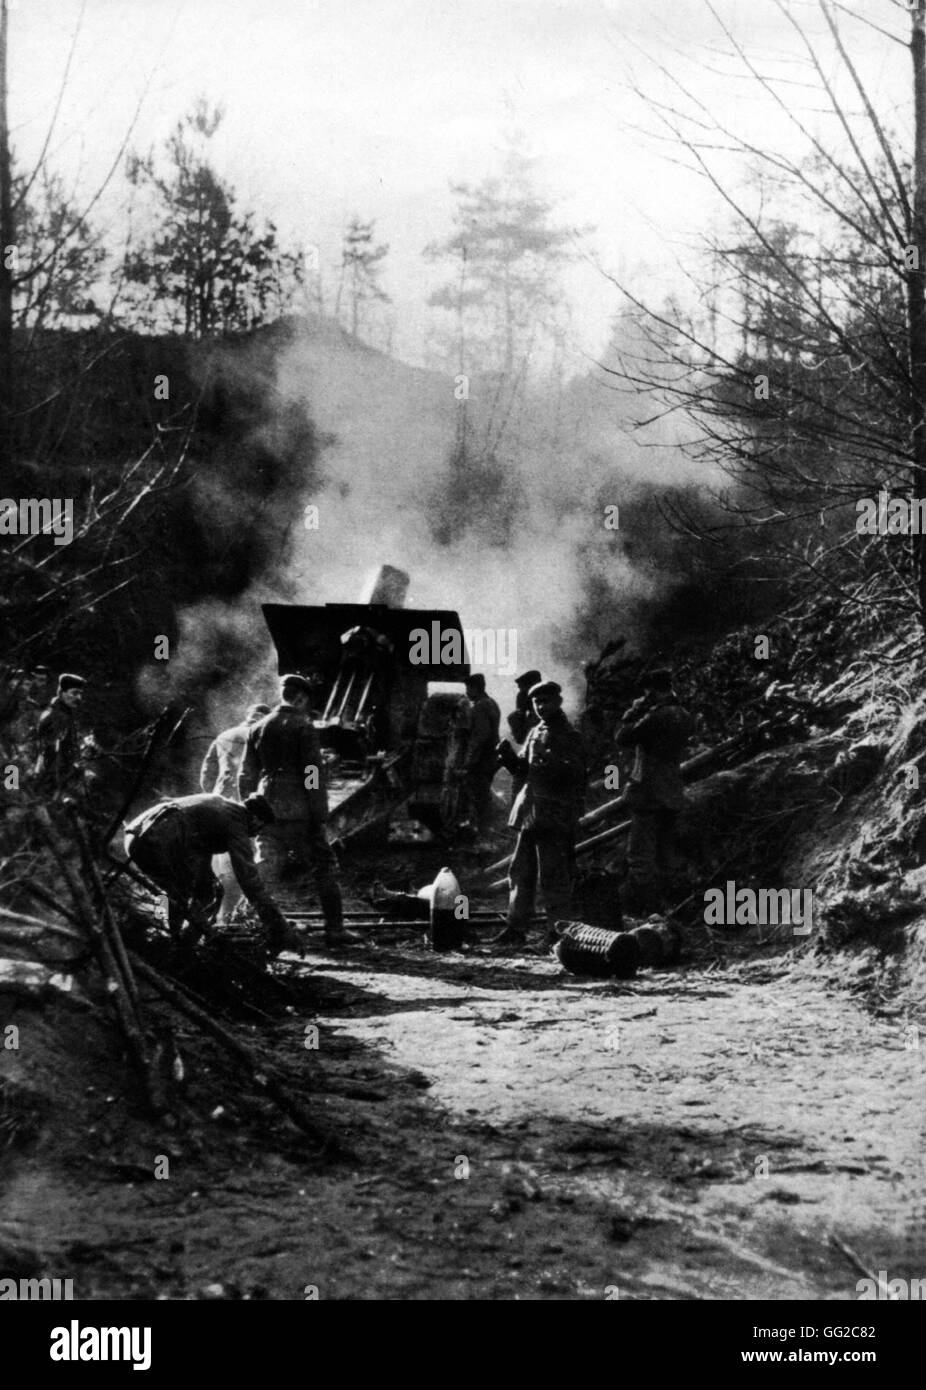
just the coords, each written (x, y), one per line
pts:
(509, 532)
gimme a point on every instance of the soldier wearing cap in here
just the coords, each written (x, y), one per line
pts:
(283, 761)
(219, 775)
(657, 727)
(480, 760)
(545, 814)
(173, 843)
(222, 763)
(58, 763)
(522, 719)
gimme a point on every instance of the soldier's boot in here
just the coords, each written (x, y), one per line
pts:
(336, 934)
(511, 940)
(550, 937)
(283, 936)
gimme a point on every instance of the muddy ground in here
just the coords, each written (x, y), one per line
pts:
(735, 1129)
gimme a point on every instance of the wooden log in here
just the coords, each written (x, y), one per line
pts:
(110, 925)
(35, 927)
(693, 766)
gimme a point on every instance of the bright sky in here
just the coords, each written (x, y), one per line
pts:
(374, 106)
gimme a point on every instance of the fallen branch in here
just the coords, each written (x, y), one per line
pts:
(115, 984)
(35, 927)
(142, 772)
(857, 1264)
(179, 999)
(110, 926)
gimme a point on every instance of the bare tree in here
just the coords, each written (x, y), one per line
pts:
(7, 244)
(48, 249)
(809, 352)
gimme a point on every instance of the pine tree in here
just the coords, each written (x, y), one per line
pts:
(207, 268)
(360, 269)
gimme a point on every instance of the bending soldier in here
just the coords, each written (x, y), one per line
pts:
(283, 761)
(545, 814)
(173, 844)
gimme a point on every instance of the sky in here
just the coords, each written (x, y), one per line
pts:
(376, 106)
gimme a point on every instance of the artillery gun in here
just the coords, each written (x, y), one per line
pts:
(384, 736)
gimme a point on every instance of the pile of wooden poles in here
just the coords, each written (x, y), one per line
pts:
(93, 921)
(692, 771)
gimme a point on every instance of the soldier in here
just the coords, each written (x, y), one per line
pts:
(219, 775)
(283, 761)
(545, 814)
(173, 844)
(455, 805)
(658, 727)
(522, 719)
(480, 761)
(222, 763)
(57, 766)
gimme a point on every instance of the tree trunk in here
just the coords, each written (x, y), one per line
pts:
(916, 292)
(6, 240)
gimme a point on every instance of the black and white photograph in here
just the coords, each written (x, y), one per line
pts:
(462, 665)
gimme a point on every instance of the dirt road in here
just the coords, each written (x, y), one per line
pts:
(514, 1133)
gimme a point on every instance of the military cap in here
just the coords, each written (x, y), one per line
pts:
(259, 808)
(545, 688)
(528, 679)
(68, 681)
(294, 682)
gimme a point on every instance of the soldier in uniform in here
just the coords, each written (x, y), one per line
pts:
(455, 807)
(222, 763)
(545, 814)
(657, 726)
(219, 775)
(480, 760)
(173, 844)
(57, 766)
(522, 719)
(283, 761)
